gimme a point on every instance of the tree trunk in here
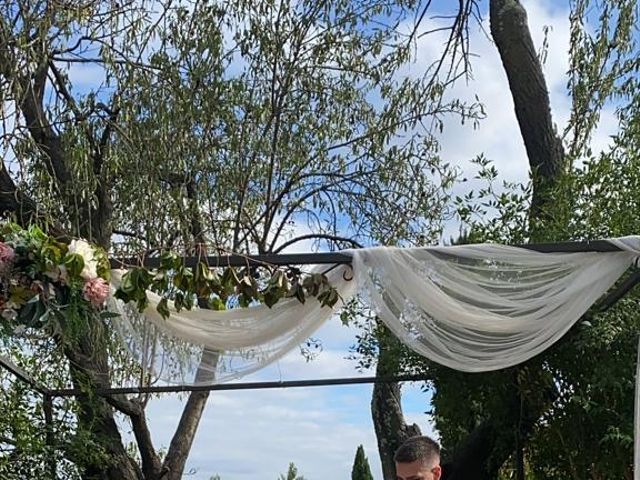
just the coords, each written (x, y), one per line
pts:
(511, 35)
(182, 440)
(386, 408)
(89, 368)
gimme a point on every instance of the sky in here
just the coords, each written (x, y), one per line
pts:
(255, 434)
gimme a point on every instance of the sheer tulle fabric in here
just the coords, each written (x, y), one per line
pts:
(205, 346)
(482, 307)
(472, 308)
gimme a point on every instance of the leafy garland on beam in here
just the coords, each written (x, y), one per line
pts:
(186, 286)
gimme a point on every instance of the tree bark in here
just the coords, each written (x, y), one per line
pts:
(180, 446)
(182, 440)
(89, 369)
(386, 407)
(510, 32)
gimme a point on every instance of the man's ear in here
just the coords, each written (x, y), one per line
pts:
(437, 472)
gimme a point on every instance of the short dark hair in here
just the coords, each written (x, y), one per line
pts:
(418, 448)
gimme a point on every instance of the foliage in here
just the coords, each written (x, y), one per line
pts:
(184, 285)
(361, 469)
(292, 473)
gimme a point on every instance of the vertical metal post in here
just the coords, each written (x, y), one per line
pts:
(636, 421)
(47, 407)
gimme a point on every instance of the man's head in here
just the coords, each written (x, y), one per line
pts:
(418, 458)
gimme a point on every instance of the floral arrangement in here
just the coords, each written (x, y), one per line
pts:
(41, 277)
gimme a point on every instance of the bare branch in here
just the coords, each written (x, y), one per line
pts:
(314, 236)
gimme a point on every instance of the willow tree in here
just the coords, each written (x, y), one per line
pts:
(200, 127)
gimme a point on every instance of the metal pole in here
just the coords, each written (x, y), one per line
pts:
(47, 407)
(244, 260)
(572, 247)
(320, 258)
(244, 385)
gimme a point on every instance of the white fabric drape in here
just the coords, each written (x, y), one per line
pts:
(470, 307)
(483, 307)
(237, 341)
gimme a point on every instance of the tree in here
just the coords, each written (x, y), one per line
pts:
(523, 420)
(292, 473)
(205, 128)
(361, 469)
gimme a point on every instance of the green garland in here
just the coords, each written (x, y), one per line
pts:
(243, 287)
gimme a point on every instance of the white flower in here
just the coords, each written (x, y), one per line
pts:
(86, 251)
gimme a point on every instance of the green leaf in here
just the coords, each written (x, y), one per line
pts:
(216, 303)
(271, 297)
(126, 285)
(74, 264)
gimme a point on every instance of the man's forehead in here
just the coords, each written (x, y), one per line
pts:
(413, 470)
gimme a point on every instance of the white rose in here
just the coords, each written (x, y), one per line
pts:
(82, 248)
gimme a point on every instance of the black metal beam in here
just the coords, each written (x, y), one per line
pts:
(244, 260)
(618, 292)
(321, 258)
(242, 386)
(572, 247)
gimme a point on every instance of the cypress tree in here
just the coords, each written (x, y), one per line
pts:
(361, 470)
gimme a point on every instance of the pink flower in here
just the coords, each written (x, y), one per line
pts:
(96, 291)
(6, 255)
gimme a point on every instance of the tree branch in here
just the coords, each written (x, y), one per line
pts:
(312, 236)
(184, 435)
(41, 130)
(151, 465)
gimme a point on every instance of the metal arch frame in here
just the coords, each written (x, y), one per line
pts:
(284, 259)
(298, 259)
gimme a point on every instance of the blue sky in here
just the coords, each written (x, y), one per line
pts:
(255, 434)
